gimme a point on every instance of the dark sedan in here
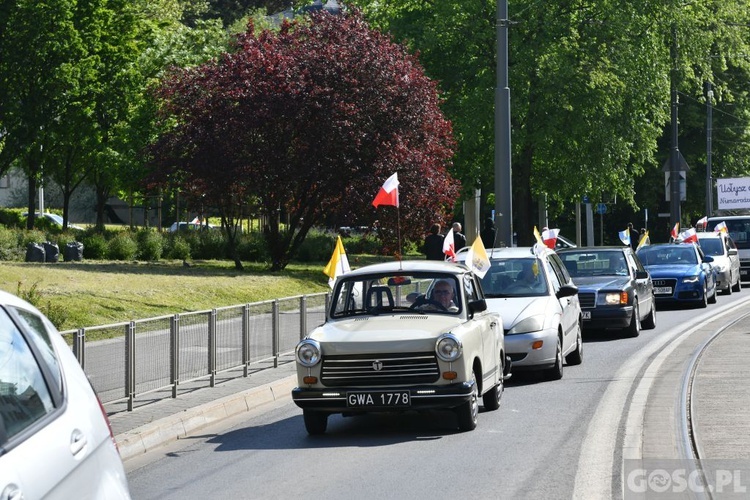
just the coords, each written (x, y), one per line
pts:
(681, 273)
(614, 288)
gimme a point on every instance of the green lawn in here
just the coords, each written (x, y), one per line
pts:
(85, 294)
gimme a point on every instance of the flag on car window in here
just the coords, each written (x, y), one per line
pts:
(388, 194)
(721, 227)
(675, 230)
(338, 264)
(549, 237)
(643, 241)
(624, 236)
(689, 236)
(476, 258)
(449, 247)
(702, 223)
(539, 242)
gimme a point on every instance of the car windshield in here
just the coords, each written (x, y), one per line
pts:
(672, 255)
(515, 278)
(711, 246)
(376, 294)
(593, 263)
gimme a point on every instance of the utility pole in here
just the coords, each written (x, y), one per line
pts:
(709, 124)
(503, 187)
(674, 157)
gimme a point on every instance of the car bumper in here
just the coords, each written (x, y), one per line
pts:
(607, 317)
(692, 293)
(519, 348)
(426, 397)
(723, 281)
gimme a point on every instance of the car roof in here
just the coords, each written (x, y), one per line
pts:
(409, 266)
(593, 249)
(706, 234)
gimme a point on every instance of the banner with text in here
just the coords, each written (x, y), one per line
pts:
(733, 193)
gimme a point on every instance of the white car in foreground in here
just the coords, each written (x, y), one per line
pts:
(402, 336)
(55, 438)
(536, 297)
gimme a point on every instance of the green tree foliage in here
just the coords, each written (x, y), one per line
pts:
(310, 119)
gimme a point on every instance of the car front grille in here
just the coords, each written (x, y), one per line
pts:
(379, 369)
(661, 283)
(587, 300)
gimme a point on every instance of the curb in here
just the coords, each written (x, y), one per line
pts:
(160, 432)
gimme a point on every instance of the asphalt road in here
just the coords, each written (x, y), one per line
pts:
(547, 440)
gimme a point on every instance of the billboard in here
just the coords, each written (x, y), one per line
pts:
(733, 193)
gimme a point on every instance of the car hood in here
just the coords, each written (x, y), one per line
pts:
(515, 309)
(670, 270)
(396, 333)
(587, 283)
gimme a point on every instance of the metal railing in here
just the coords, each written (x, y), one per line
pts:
(155, 354)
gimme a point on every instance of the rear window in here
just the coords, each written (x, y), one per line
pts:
(738, 229)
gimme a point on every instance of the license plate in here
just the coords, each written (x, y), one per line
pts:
(389, 399)
(743, 272)
(586, 314)
(663, 290)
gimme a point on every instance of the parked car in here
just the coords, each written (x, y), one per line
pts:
(55, 438)
(537, 299)
(681, 273)
(738, 228)
(401, 336)
(55, 220)
(721, 247)
(190, 226)
(614, 289)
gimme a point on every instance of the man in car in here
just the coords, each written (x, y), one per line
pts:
(441, 298)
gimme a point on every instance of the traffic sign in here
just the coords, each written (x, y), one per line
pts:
(601, 208)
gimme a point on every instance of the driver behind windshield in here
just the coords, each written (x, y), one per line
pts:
(441, 298)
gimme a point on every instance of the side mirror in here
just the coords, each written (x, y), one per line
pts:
(641, 275)
(476, 306)
(732, 251)
(708, 258)
(567, 291)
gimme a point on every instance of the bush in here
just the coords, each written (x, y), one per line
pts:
(317, 247)
(57, 314)
(9, 247)
(177, 247)
(94, 246)
(252, 248)
(150, 245)
(208, 244)
(122, 247)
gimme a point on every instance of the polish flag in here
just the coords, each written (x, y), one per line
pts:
(388, 194)
(449, 247)
(675, 231)
(689, 236)
(549, 237)
(702, 222)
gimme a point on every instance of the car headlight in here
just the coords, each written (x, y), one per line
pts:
(690, 279)
(722, 268)
(448, 347)
(526, 325)
(615, 298)
(308, 353)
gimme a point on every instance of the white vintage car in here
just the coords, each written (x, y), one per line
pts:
(400, 336)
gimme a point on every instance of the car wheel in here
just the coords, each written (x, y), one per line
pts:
(635, 323)
(468, 412)
(316, 422)
(712, 298)
(730, 288)
(556, 372)
(737, 287)
(576, 357)
(491, 398)
(650, 322)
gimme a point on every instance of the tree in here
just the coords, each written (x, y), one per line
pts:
(308, 119)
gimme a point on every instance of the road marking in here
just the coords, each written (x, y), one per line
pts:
(595, 472)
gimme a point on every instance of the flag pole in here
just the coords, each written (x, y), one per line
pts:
(398, 225)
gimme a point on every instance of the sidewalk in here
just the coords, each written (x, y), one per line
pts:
(159, 419)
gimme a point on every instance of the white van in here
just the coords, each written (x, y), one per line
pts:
(738, 227)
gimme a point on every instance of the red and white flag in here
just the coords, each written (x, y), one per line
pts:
(689, 236)
(388, 194)
(721, 227)
(675, 231)
(702, 222)
(449, 247)
(549, 237)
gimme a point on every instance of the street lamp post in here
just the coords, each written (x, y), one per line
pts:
(503, 191)
(709, 124)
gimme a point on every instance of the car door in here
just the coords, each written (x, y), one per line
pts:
(489, 326)
(571, 308)
(644, 286)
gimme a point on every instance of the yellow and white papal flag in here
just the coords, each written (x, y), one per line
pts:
(338, 264)
(476, 258)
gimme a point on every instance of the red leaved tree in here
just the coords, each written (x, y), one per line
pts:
(310, 120)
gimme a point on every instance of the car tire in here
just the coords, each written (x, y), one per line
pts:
(738, 286)
(556, 372)
(635, 323)
(576, 357)
(704, 301)
(468, 412)
(729, 289)
(491, 398)
(650, 322)
(316, 422)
